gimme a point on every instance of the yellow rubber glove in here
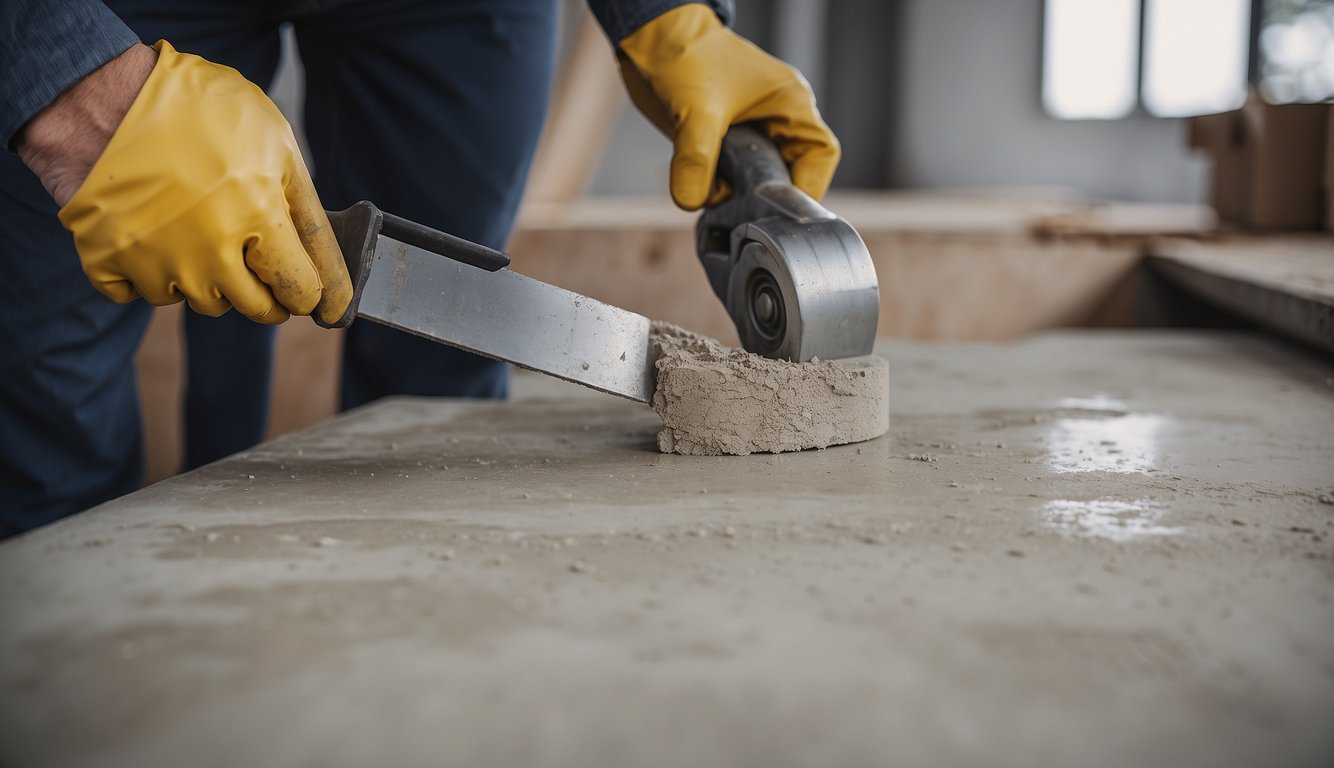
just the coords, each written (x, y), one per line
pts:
(202, 195)
(693, 77)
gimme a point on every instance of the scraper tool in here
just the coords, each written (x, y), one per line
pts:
(795, 278)
(459, 293)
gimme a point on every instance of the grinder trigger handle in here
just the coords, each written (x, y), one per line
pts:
(749, 160)
(761, 187)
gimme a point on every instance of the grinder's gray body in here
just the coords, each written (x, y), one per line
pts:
(797, 280)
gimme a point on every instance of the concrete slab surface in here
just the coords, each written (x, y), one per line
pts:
(1093, 549)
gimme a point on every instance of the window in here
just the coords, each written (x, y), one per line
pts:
(1195, 54)
(1090, 58)
(1104, 58)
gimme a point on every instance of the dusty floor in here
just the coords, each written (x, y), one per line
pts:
(1084, 549)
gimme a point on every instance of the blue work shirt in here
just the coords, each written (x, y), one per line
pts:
(46, 46)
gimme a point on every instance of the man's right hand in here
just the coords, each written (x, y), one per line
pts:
(199, 194)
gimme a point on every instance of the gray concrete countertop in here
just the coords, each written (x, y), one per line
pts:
(1081, 549)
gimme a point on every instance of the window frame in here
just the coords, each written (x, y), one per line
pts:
(1138, 110)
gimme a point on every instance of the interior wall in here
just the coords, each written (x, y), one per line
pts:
(637, 155)
(944, 93)
(923, 94)
(970, 114)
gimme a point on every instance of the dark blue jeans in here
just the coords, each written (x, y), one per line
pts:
(431, 110)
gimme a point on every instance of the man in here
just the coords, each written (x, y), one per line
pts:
(180, 180)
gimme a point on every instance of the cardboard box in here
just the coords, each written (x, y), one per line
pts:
(1269, 164)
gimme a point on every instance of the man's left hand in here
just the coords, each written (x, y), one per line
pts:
(693, 78)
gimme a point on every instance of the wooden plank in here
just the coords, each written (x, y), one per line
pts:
(1129, 220)
(586, 101)
(160, 366)
(951, 266)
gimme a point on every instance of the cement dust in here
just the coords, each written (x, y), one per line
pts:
(716, 400)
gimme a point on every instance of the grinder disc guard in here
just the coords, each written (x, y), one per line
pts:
(796, 280)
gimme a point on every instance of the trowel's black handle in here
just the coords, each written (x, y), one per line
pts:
(750, 160)
(355, 229)
(443, 243)
(358, 228)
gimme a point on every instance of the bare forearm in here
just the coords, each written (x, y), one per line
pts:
(61, 143)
